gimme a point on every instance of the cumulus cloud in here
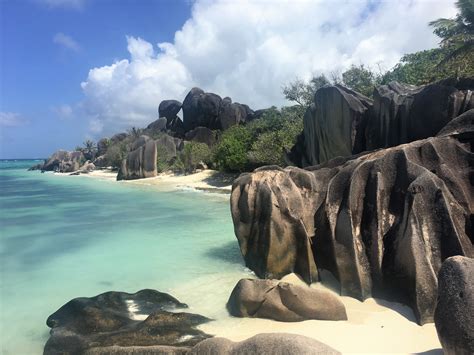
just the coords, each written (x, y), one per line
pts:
(248, 49)
(66, 42)
(11, 119)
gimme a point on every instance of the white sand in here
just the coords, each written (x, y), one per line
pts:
(373, 326)
(206, 180)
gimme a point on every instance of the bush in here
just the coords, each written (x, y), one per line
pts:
(230, 154)
(116, 153)
(194, 153)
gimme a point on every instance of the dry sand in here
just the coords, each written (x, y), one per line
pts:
(373, 327)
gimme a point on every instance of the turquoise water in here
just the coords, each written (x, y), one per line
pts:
(63, 237)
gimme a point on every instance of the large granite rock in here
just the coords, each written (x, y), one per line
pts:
(141, 160)
(99, 324)
(158, 125)
(341, 122)
(334, 124)
(454, 314)
(118, 137)
(202, 135)
(273, 214)
(405, 113)
(383, 220)
(64, 161)
(169, 109)
(201, 109)
(283, 301)
(265, 344)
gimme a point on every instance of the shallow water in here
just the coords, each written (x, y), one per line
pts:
(65, 236)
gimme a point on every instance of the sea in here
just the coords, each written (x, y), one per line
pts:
(63, 237)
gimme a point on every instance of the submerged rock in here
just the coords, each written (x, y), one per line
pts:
(283, 301)
(383, 220)
(266, 343)
(114, 319)
(454, 314)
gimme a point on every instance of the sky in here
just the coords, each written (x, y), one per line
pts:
(72, 70)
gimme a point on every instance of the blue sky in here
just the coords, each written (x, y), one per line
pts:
(41, 70)
(78, 69)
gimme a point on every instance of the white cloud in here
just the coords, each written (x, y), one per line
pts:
(11, 119)
(66, 42)
(64, 112)
(248, 49)
(67, 4)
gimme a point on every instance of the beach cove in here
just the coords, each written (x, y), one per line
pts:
(84, 235)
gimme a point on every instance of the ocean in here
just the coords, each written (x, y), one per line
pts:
(63, 237)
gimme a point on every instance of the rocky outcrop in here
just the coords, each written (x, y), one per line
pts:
(121, 320)
(405, 113)
(64, 162)
(202, 135)
(341, 122)
(159, 125)
(118, 137)
(283, 301)
(454, 314)
(334, 124)
(273, 214)
(141, 160)
(383, 220)
(201, 109)
(266, 343)
(169, 109)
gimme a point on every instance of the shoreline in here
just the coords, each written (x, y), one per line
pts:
(209, 181)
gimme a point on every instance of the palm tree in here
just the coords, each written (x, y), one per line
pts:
(457, 34)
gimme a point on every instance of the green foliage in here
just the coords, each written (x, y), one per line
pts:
(194, 153)
(428, 66)
(261, 142)
(230, 154)
(116, 153)
(163, 159)
(457, 35)
(302, 92)
(361, 79)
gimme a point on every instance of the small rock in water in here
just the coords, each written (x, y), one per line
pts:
(118, 319)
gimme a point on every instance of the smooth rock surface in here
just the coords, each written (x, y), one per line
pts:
(141, 161)
(454, 314)
(264, 344)
(118, 319)
(405, 113)
(334, 125)
(283, 302)
(64, 162)
(169, 109)
(202, 135)
(381, 222)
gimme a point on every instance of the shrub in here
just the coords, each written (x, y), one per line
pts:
(116, 153)
(194, 153)
(230, 154)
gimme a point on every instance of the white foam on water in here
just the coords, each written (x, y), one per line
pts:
(134, 311)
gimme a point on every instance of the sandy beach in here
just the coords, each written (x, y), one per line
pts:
(373, 326)
(205, 180)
